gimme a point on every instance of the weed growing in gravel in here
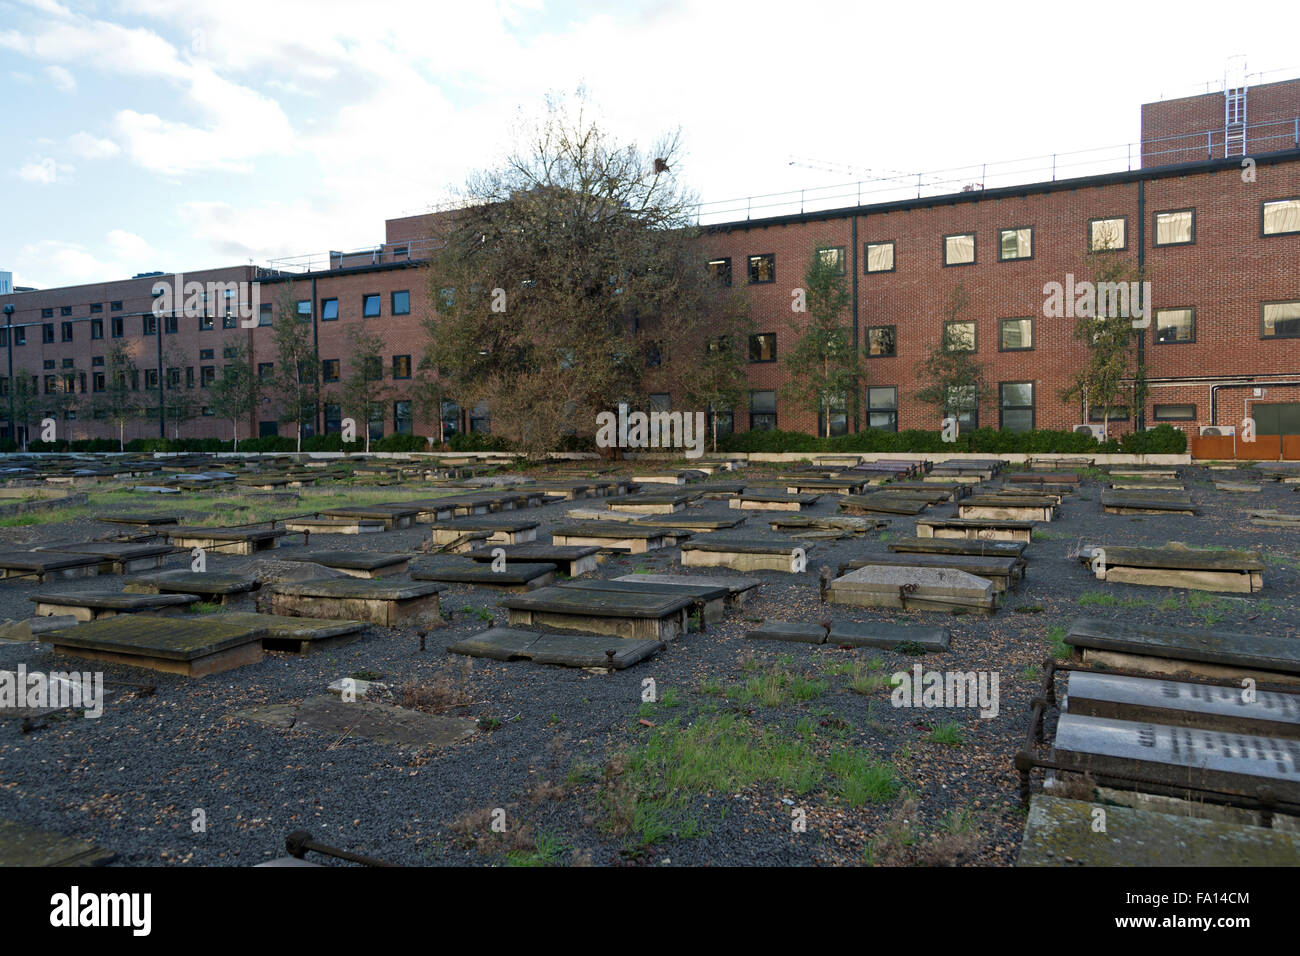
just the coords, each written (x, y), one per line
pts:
(204, 607)
(867, 679)
(1037, 535)
(547, 851)
(1103, 599)
(862, 779)
(446, 689)
(947, 732)
(1056, 638)
(777, 686)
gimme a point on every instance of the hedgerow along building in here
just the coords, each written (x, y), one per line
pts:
(1210, 214)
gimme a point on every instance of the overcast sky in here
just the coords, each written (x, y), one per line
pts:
(182, 134)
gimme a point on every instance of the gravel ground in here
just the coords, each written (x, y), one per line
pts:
(132, 779)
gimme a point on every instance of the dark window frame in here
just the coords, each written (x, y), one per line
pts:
(725, 281)
(762, 361)
(379, 305)
(880, 410)
(1269, 338)
(1155, 325)
(1157, 417)
(975, 249)
(1270, 235)
(975, 335)
(324, 310)
(1155, 227)
(844, 257)
(866, 257)
(1003, 407)
(1033, 244)
(749, 268)
(1032, 335)
(867, 341)
(776, 400)
(392, 302)
(1087, 239)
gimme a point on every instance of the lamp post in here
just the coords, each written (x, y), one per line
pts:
(9, 340)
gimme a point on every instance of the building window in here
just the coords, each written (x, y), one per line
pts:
(329, 310)
(173, 378)
(97, 361)
(401, 366)
(1174, 413)
(115, 306)
(959, 336)
(370, 310)
(205, 354)
(227, 320)
(661, 402)
(961, 404)
(47, 313)
(375, 420)
(762, 269)
(329, 370)
(1278, 320)
(207, 411)
(833, 257)
(51, 384)
(170, 324)
(882, 408)
(265, 315)
(720, 271)
(1175, 227)
(721, 421)
(401, 303)
(151, 379)
(402, 419)
(1108, 235)
(479, 421)
(189, 376)
(148, 325)
(4, 338)
(97, 381)
(654, 353)
(48, 364)
(47, 333)
(207, 375)
(879, 257)
(959, 249)
(1175, 325)
(20, 336)
(206, 323)
(1015, 335)
(1103, 414)
(67, 331)
(839, 416)
(762, 411)
(762, 347)
(1280, 217)
(65, 310)
(118, 326)
(882, 341)
(1016, 406)
(68, 363)
(450, 418)
(1017, 243)
(96, 308)
(304, 310)
(265, 371)
(333, 419)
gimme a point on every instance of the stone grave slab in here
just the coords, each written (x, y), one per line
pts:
(26, 846)
(388, 604)
(855, 524)
(299, 635)
(214, 587)
(692, 525)
(1175, 703)
(1240, 572)
(609, 536)
(1008, 507)
(913, 588)
(646, 617)
(1146, 503)
(156, 489)
(1271, 518)
(43, 565)
(795, 631)
(1044, 477)
(1177, 758)
(882, 503)
(394, 517)
(740, 553)
(137, 520)
(889, 637)
(193, 647)
(760, 500)
(569, 560)
(1005, 573)
(973, 529)
(516, 577)
(929, 491)
(739, 589)
(243, 541)
(358, 564)
(709, 598)
(1058, 830)
(499, 531)
(335, 525)
(1240, 487)
(568, 650)
(93, 605)
(337, 719)
(650, 504)
(795, 485)
(1171, 650)
(1146, 484)
(117, 558)
(660, 477)
(997, 549)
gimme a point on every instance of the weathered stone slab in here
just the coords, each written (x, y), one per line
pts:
(43, 565)
(1267, 713)
(741, 554)
(1043, 477)
(515, 576)
(335, 525)
(1168, 650)
(570, 560)
(298, 635)
(1178, 758)
(1235, 571)
(691, 524)
(25, 846)
(760, 500)
(609, 536)
(1008, 507)
(358, 564)
(928, 589)
(809, 485)
(394, 517)
(243, 541)
(193, 647)
(1238, 486)
(650, 504)
(212, 586)
(93, 605)
(364, 719)
(973, 529)
(116, 558)
(500, 531)
(710, 598)
(1146, 503)
(889, 637)
(1060, 831)
(929, 491)
(139, 520)
(882, 503)
(978, 546)
(660, 477)
(795, 631)
(381, 602)
(1005, 573)
(855, 524)
(656, 617)
(568, 650)
(739, 589)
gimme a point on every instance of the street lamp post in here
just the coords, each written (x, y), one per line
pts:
(9, 340)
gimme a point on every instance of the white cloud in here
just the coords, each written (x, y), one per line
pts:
(88, 146)
(62, 79)
(43, 171)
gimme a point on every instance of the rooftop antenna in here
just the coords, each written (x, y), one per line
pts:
(1234, 106)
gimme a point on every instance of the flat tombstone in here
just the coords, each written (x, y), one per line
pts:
(930, 589)
(795, 631)
(890, 637)
(213, 586)
(299, 635)
(973, 529)
(335, 525)
(1003, 572)
(93, 605)
(571, 560)
(655, 617)
(710, 598)
(358, 564)
(882, 503)
(193, 648)
(25, 846)
(42, 565)
(609, 536)
(242, 541)
(117, 558)
(515, 576)
(568, 650)
(141, 520)
(381, 723)
(1178, 758)
(379, 602)
(738, 588)
(1058, 830)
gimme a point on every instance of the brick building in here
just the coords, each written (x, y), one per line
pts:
(1212, 215)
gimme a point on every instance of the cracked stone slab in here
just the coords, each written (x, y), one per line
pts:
(330, 716)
